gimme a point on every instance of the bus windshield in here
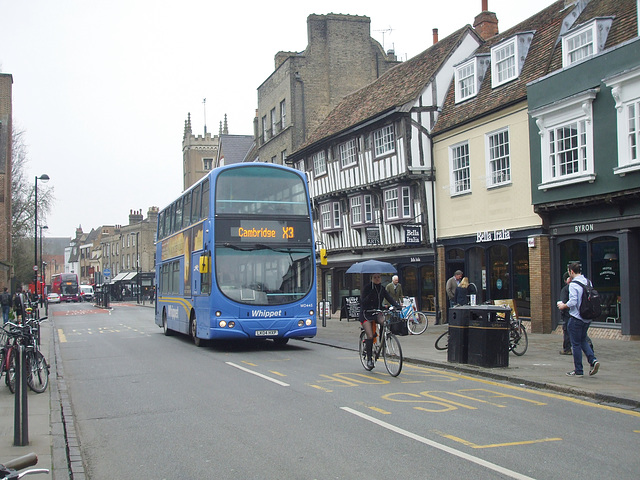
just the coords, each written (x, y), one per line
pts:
(264, 275)
(260, 191)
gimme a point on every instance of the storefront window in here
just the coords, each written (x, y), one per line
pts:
(477, 272)
(428, 290)
(599, 259)
(521, 291)
(499, 272)
(409, 281)
(573, 251)
(606, 276)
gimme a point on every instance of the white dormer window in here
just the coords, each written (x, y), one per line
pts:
(469, 76)
(585, 40)
(503, 61)
(466, 81)
(507, 58)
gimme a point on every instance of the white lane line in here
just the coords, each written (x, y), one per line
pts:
(439, 446)
(282, 384)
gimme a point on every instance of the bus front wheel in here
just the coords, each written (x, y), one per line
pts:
(193, 329)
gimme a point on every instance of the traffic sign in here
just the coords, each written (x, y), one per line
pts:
(106, 272)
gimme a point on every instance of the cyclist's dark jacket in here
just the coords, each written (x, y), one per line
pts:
(371, 299)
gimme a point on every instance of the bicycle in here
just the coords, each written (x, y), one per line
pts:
(9, 470)
(385, 343)
(518, 339)
(28, 335)
(417, 322)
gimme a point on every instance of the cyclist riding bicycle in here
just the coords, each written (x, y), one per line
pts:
(373, 294)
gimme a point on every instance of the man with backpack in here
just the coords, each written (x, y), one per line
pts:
(579, 290)
(5, 301)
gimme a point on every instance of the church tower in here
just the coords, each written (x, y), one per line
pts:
(199, 153)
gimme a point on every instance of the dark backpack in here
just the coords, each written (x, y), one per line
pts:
(590, 307)
(5, 299)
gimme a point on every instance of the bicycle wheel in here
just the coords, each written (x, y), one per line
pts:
(38, 373)
(392, 353)
(442, 342)
(417, 323)
(10, 378)
(519, 342)
(361, 351)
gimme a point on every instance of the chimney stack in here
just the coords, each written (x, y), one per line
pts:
(486, 22)
(435, 36)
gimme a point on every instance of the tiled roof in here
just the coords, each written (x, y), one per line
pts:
(547, 25)
(544, 57)
(400, 85)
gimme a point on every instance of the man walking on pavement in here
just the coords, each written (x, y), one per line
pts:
(578, 326)
(395, 289)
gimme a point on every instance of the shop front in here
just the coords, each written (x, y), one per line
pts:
(496, 263)
(608, 254)
(416, 273)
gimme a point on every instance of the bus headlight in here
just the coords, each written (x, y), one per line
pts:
(309, 322)
(232, 324)
(300, 323)
(218, 313)
(222, 323)
(311, 312)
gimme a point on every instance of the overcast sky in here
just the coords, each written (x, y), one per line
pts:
(102, 88)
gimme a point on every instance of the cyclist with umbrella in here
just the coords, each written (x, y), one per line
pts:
(373, 294)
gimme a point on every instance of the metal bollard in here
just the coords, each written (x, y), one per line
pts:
(21, 416)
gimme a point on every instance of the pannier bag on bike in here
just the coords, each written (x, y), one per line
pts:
(398, 325)
(590, 307)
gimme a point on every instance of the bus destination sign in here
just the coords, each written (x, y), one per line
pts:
(264, 231)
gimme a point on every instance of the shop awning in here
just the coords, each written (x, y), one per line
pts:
(130, 276)
(119, 277)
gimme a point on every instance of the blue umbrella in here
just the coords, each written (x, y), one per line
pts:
(372, 266)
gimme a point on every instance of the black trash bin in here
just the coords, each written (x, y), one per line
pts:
(458, 332)
(489, 336)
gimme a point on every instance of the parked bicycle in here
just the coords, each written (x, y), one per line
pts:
(26, 334)
(417, 322)
(385, 343)
(518, 339)
(9, 470)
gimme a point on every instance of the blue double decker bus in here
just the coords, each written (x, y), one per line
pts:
(235, 257)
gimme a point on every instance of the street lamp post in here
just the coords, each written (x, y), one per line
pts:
(44, 178)
(42, 264)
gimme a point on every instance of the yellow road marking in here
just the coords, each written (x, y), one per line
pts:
(63, 339)
(320, 388)
(493, 445)
(379, 410)
(250, 364)
(537, 392)
(277, 373)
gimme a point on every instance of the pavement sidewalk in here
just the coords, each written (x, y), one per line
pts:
(51, 428)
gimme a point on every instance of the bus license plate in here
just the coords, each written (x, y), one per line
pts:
(266, 333)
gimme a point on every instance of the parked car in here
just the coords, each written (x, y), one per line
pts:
(86, 292)
(53, 298)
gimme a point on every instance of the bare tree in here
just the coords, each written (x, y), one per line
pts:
(23, 208)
